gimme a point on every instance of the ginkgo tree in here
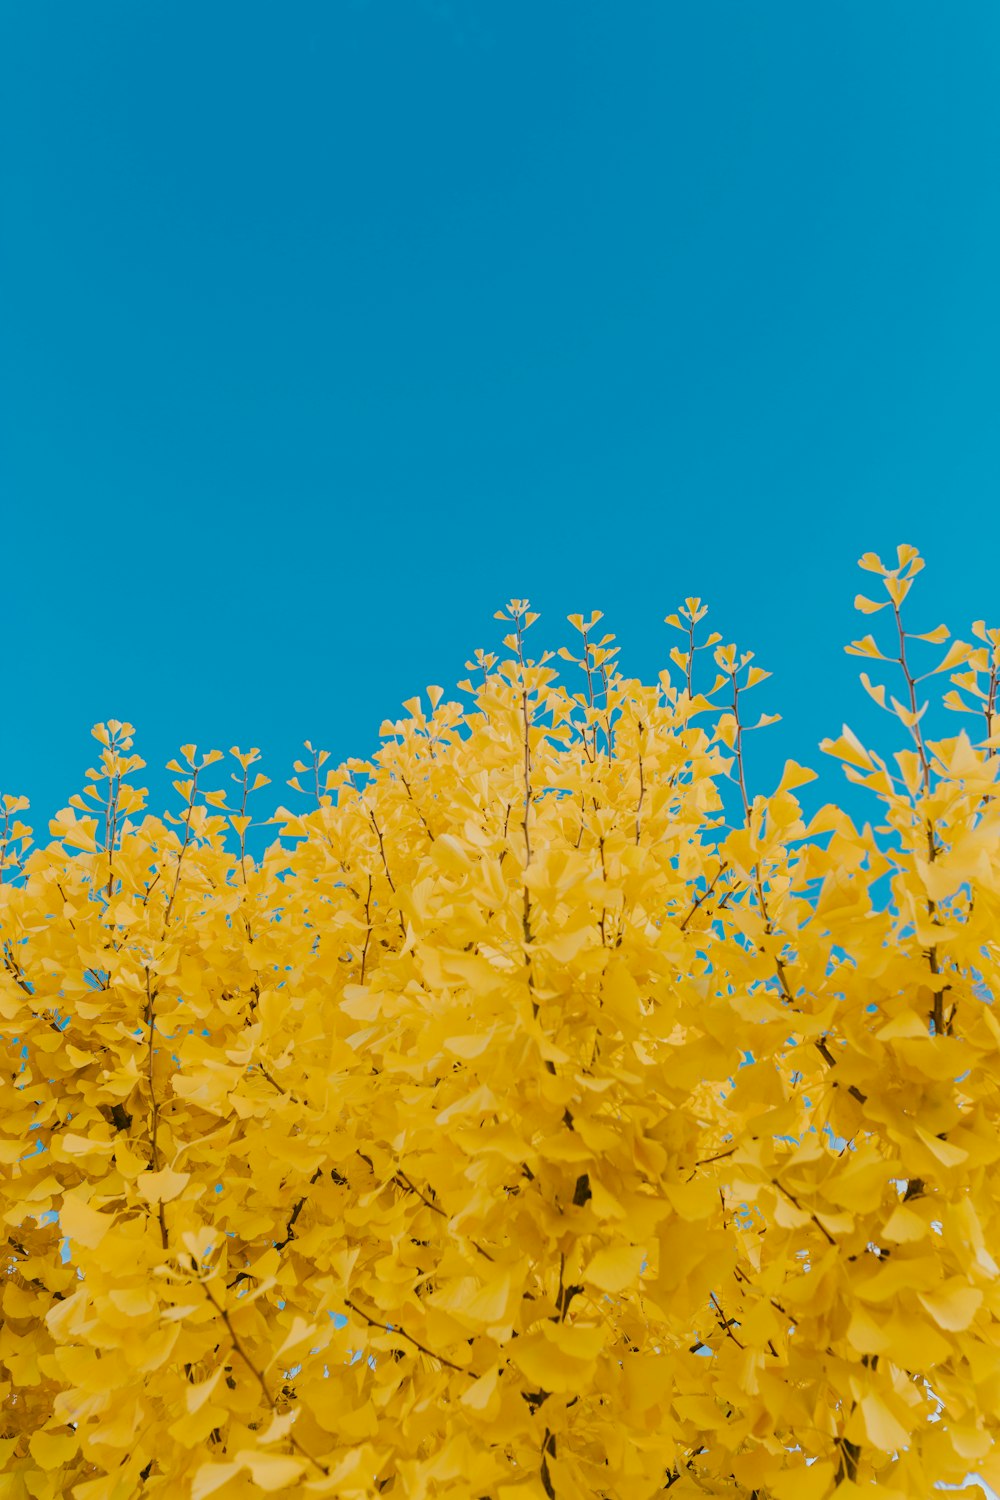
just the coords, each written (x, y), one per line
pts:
(547, 1112)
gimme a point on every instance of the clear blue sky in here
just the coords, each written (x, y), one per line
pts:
(328, 327)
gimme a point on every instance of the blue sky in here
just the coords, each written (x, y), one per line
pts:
(328, 328)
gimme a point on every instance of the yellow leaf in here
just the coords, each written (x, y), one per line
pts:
(490, 1303)
(468, 1047)
(849, 748)
(76, 833)
(582, 1341)
(614, 1269)
(865, 647)
(196, 1395)
(211, 1477)
(480, 1392)
(957, 653)
(906, 1024)
(897, 589)
(81, 1223)
(604, 1204)
(865, 1333)
(133, 1302)
(884, 1429)
(903, 1226)
(546, 1366)
(82, 1145)
(693, 1200)
(970, 1442)
(301, 1330)
(874, 690)
(161, 1187)
(271, 1471)
(564, 947)
(802, 1483)
(914, 1344)
(948, 1154)
(794, 776)
(906, 715)
(936, 637)
(868, 606)
(954, 1306)
(53, 1450)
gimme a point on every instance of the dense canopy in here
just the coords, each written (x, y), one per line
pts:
(545, 1112)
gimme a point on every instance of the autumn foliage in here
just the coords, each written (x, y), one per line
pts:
(544, 1113)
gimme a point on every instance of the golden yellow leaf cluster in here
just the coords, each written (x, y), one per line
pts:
(544, 1114)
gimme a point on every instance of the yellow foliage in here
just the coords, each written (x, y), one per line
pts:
(543, 1113)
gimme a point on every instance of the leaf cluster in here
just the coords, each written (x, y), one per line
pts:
(546, 1113)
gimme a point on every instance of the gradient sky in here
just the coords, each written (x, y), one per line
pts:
(327, 328)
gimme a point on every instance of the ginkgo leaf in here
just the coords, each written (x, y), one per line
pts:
(954, 1306)
(946, 1151)
(801, 1483)
(874, 690)
(904, 1226)
(865, 647)
(83, 1223)
(793, 777)
(613, 1269)
(866, 1333)
(491, 1303)
(53, 1450)
(81, 1145)
(196, 1395)
(883, 1428)
(916, 1344)
(162, 1186)
(957, 653)
(868, 606)
(301, 1330)
(849, 748)
(936, 636)
(546, 1366)
(271, 1471)
(480, 1393)
(582, 1341)
(211, 1477)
